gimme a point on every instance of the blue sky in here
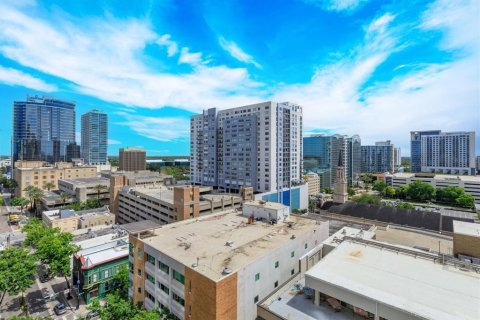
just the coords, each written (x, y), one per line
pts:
(379, 69)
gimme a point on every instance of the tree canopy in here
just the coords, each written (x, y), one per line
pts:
(421, 191)
(367, 198)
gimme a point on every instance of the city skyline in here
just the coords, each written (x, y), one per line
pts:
(385, 70)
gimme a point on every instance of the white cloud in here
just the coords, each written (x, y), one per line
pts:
(193, 58)
(104, 58)
(430, 96)
(160, 129)
(14, 77)
(337, 5)
(235, 51)
(113, 141)
(172, 46)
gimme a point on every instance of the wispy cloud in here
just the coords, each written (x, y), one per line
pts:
(337, 5)
(14, 77)
(113, 141)
(160, 129)
(235, 51)
(172, 46)
(193, 58)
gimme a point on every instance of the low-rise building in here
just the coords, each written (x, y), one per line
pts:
(170, 204)
(269, 211)
(39, 174)
(69, 220)
(313, 181)
(466, 239)
(82, 189)
(218, 266)
(95, 265)
(471, 184)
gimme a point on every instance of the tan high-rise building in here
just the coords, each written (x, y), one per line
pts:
(132, 159)
(43, 175)
(313, 181)
(218, 266)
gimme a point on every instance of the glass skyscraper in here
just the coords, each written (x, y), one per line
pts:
(42, 129)
(94, 137)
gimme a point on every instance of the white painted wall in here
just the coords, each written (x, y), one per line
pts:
(265, 212)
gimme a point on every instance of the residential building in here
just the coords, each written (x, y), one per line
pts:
(95, 265)
(379, 158)
(313, 181)
(397, 158)
(443, 152)
(258, 146)
(42, 129)
(218, 266)
(38, 173)
(82, 189)
(94, 137)
(166, 204)
(132, 159)
(471, 184)
(69, 220)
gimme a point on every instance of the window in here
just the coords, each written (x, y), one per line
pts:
(255, 300)
(139, 271)
(178, 299)
(151, 278)
(306, 246)
(257, 277)
(179, 277)
(164, 288)
(139, 290)
(292, 254)
(277, 264)
(95, 277)
(139, 253)
(275, 284)
(162, 266)
(106, 274)
(292, 272)
(150, 259)
(149, 296)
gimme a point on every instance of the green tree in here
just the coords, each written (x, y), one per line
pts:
(99, 188)
(64, 196)
(19, 202)
(402, 191)
(11, 184)
(405, 205)
(120, 281)
(35, 230)
(48, 185)
(17, 270)
(367, 179)
(449, 194)
(351, 192)
(390, 192)
(368, 199)
(56, 249)
(465, 201)
(327, 190)
(379, 186)
(115, 308)
(421, 191)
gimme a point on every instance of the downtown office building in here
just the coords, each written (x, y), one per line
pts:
(94, 137)
(321, 156)
(258, 146)
(43, 127)
(443, 152)
(379, 158)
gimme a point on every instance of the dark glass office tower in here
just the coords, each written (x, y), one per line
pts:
(94, 137)
(42, 129)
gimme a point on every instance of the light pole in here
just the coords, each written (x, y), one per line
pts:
(78, 290)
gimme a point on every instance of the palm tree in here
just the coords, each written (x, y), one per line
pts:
(37, 196)
(48, 185)
(99, 188)
(23, 203)
(64, 196)
(30, 190)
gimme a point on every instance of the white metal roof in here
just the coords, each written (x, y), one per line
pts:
(405, 282)
(466, 228)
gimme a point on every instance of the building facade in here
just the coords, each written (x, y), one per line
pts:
(220, 273)
(132, 159)
(443, 152)
(42, 129)
(378, 158)
(94, 137)
(258, 146)
(313, 181)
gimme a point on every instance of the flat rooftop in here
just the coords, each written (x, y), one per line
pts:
(466, 228)
(335, 239)
(436, 176)
(414, 238)
(403, 281)
(206, 237)
(87, 182)
(265, 204)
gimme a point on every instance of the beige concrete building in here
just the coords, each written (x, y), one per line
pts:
(132, 159)
(313, 181)
(83, 189)
(466, 239)
(218, 266)
(69, 220)
(145, 179)
(37, 174)
(170, 204)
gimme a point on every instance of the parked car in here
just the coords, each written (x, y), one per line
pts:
(44, 278)
(92, 315)
(60, 309)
